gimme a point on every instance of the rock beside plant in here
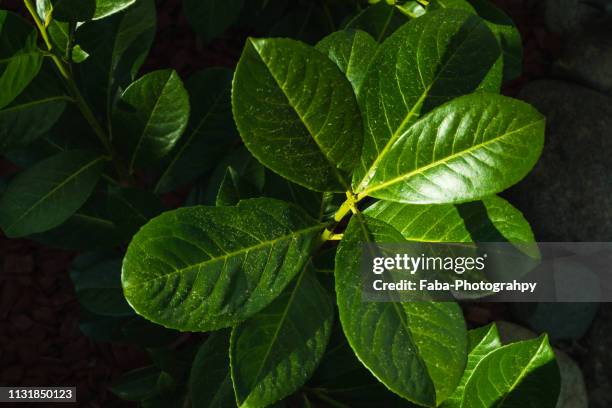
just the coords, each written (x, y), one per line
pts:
(568, 196)
(587, 58)
(568, 16)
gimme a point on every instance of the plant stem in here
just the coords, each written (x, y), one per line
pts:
(73, 89)
(347, 206)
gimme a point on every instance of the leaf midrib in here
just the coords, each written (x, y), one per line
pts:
(404, 324)
(338, 175)
(54, 190)
(278, 329)
(227, 255)
(453, 156)
(146, 127)
(398, 132)
(35, 103)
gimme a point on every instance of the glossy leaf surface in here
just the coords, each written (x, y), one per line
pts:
(305, 125)
(429, 61)
(204, 268)
(47, 194)
(472, 147)
(418, 349)
(277, 350)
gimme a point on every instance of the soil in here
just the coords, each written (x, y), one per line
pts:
(40, 343)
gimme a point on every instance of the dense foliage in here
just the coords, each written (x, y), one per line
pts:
(390, 129)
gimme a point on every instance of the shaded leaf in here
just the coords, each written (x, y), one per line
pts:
(379, 20)
(204, 268)
(273, 353)
(491, 220)
(429, 61)
(117, 46)
(210, 132)
(501, 25)
(418, 349)
(32, 113)
(352, 52)
(20, 59)
(90, 228)
(131, 208)
(97, 283)
(47, 194)
(137, 384)
(234, 188)
(151, 116)
(210, 381)
(210, 18)
(472, 147)
(305, 125)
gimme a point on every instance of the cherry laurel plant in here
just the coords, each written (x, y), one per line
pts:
(389, 130)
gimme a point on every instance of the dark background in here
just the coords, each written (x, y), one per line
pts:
(567, 75)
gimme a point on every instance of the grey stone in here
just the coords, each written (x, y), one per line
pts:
(597, 362)
(570, 16)
(568, 195)
(587, 58)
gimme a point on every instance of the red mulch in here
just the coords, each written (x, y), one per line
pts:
(40, 343)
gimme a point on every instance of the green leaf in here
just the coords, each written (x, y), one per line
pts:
(90, 228)
(60, 35)
(418, 349)
(379, 20)
(151, 116)
(234, 188)
(117, 46)
(501, 25)
(482, 341)
(210, 18)
(352, 52)
(210, 132)
(20, 59)
(341, 377)
(243, 163)
(429, 61)
(318, 205)
(305, 125)
(210, 382)
(81, 10)
(132, 208)
(97, 283)
(137, 384)
(472, 147)
(273, 353)
(32, 113)
(205, 268)
(491, 220)
(47, 194)
(519, 374)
